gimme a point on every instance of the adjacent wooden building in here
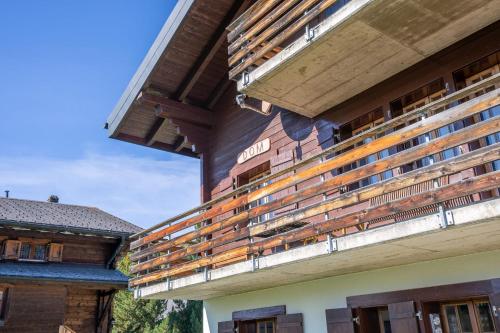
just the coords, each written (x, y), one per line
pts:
(349, 153)
(57, 268)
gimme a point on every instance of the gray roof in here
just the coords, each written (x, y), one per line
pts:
(62, 272)
(62, 216)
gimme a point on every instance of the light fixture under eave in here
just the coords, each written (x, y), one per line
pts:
(254, 104)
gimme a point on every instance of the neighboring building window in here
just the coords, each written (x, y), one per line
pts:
(3, 303)
(265, 326)
(25, 251)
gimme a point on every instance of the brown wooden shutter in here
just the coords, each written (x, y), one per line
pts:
(495, 307)
(339, 320)
(12, 249)
(226, 327)
(55, 252)
(403, 317)
(292, 323)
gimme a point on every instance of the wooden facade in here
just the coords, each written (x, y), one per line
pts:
(57, 279)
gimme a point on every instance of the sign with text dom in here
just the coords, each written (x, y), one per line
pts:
(254, 150)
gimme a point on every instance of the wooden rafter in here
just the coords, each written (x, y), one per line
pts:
(210, 50)
(156, 145)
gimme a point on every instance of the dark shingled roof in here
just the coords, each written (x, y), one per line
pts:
(56, 215)
(62, 272)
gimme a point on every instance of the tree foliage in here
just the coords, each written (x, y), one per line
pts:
(152, 316)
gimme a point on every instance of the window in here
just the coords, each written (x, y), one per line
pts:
(250, 176)
(468, 317)
(265, 326)
(3, 303)
(409, 102)
(358, 126)
(477, 71)
(33, 249)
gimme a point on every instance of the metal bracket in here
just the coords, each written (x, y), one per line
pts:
(446, 217)
(310, 33)
(169, 284)
(206, 274)
(331, 244)
(246, 78)
(356, 320)
(419, 315)
(255, 263)
(495, 311)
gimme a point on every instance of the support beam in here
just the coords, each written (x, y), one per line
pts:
(210, 50)
(180, 143)
(156, 145)
(169, 108)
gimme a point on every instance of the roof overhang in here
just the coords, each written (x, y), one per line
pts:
(181, 75)
(147, 66)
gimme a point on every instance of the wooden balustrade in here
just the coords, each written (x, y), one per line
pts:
(193, 240)
(261, 31)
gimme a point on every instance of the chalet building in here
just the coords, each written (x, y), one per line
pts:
(350, 156)
(57, 266)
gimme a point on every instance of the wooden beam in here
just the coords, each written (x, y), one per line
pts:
(210, 50)
(150, 137)
(156, 145)
(180, 143)
(219, 90)
(169, 108)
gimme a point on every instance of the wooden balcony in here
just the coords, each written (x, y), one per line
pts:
(455, 165)
(310, 55)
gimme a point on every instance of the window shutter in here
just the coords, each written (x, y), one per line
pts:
(339, 320)
(495, 308)
(292, 323)
(403, 317)
(55, 252)
(225, 327)
(12, 249)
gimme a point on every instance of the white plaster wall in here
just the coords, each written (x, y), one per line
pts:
(313, 297)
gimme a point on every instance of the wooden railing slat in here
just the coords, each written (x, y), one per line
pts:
(392, 161)
(470, 133)
(255, 12)
(281, 37)
(257, 27)
(380, 129)
(448, 192)
(404, 134)
(274, 29)
(446, 167)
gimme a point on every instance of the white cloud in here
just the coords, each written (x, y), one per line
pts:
(143, 191)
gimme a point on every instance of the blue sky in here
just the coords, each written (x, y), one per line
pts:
(63, 66)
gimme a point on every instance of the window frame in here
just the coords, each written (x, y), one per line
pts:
(5, 291)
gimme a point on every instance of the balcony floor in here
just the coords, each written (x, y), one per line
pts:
(476, 228)
(364, 43)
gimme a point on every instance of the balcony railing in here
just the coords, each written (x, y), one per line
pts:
(263, 30)
(224, 230)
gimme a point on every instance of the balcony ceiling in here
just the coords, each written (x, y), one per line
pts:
(364, 43)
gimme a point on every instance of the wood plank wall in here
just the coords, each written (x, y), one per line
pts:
(35, 309)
